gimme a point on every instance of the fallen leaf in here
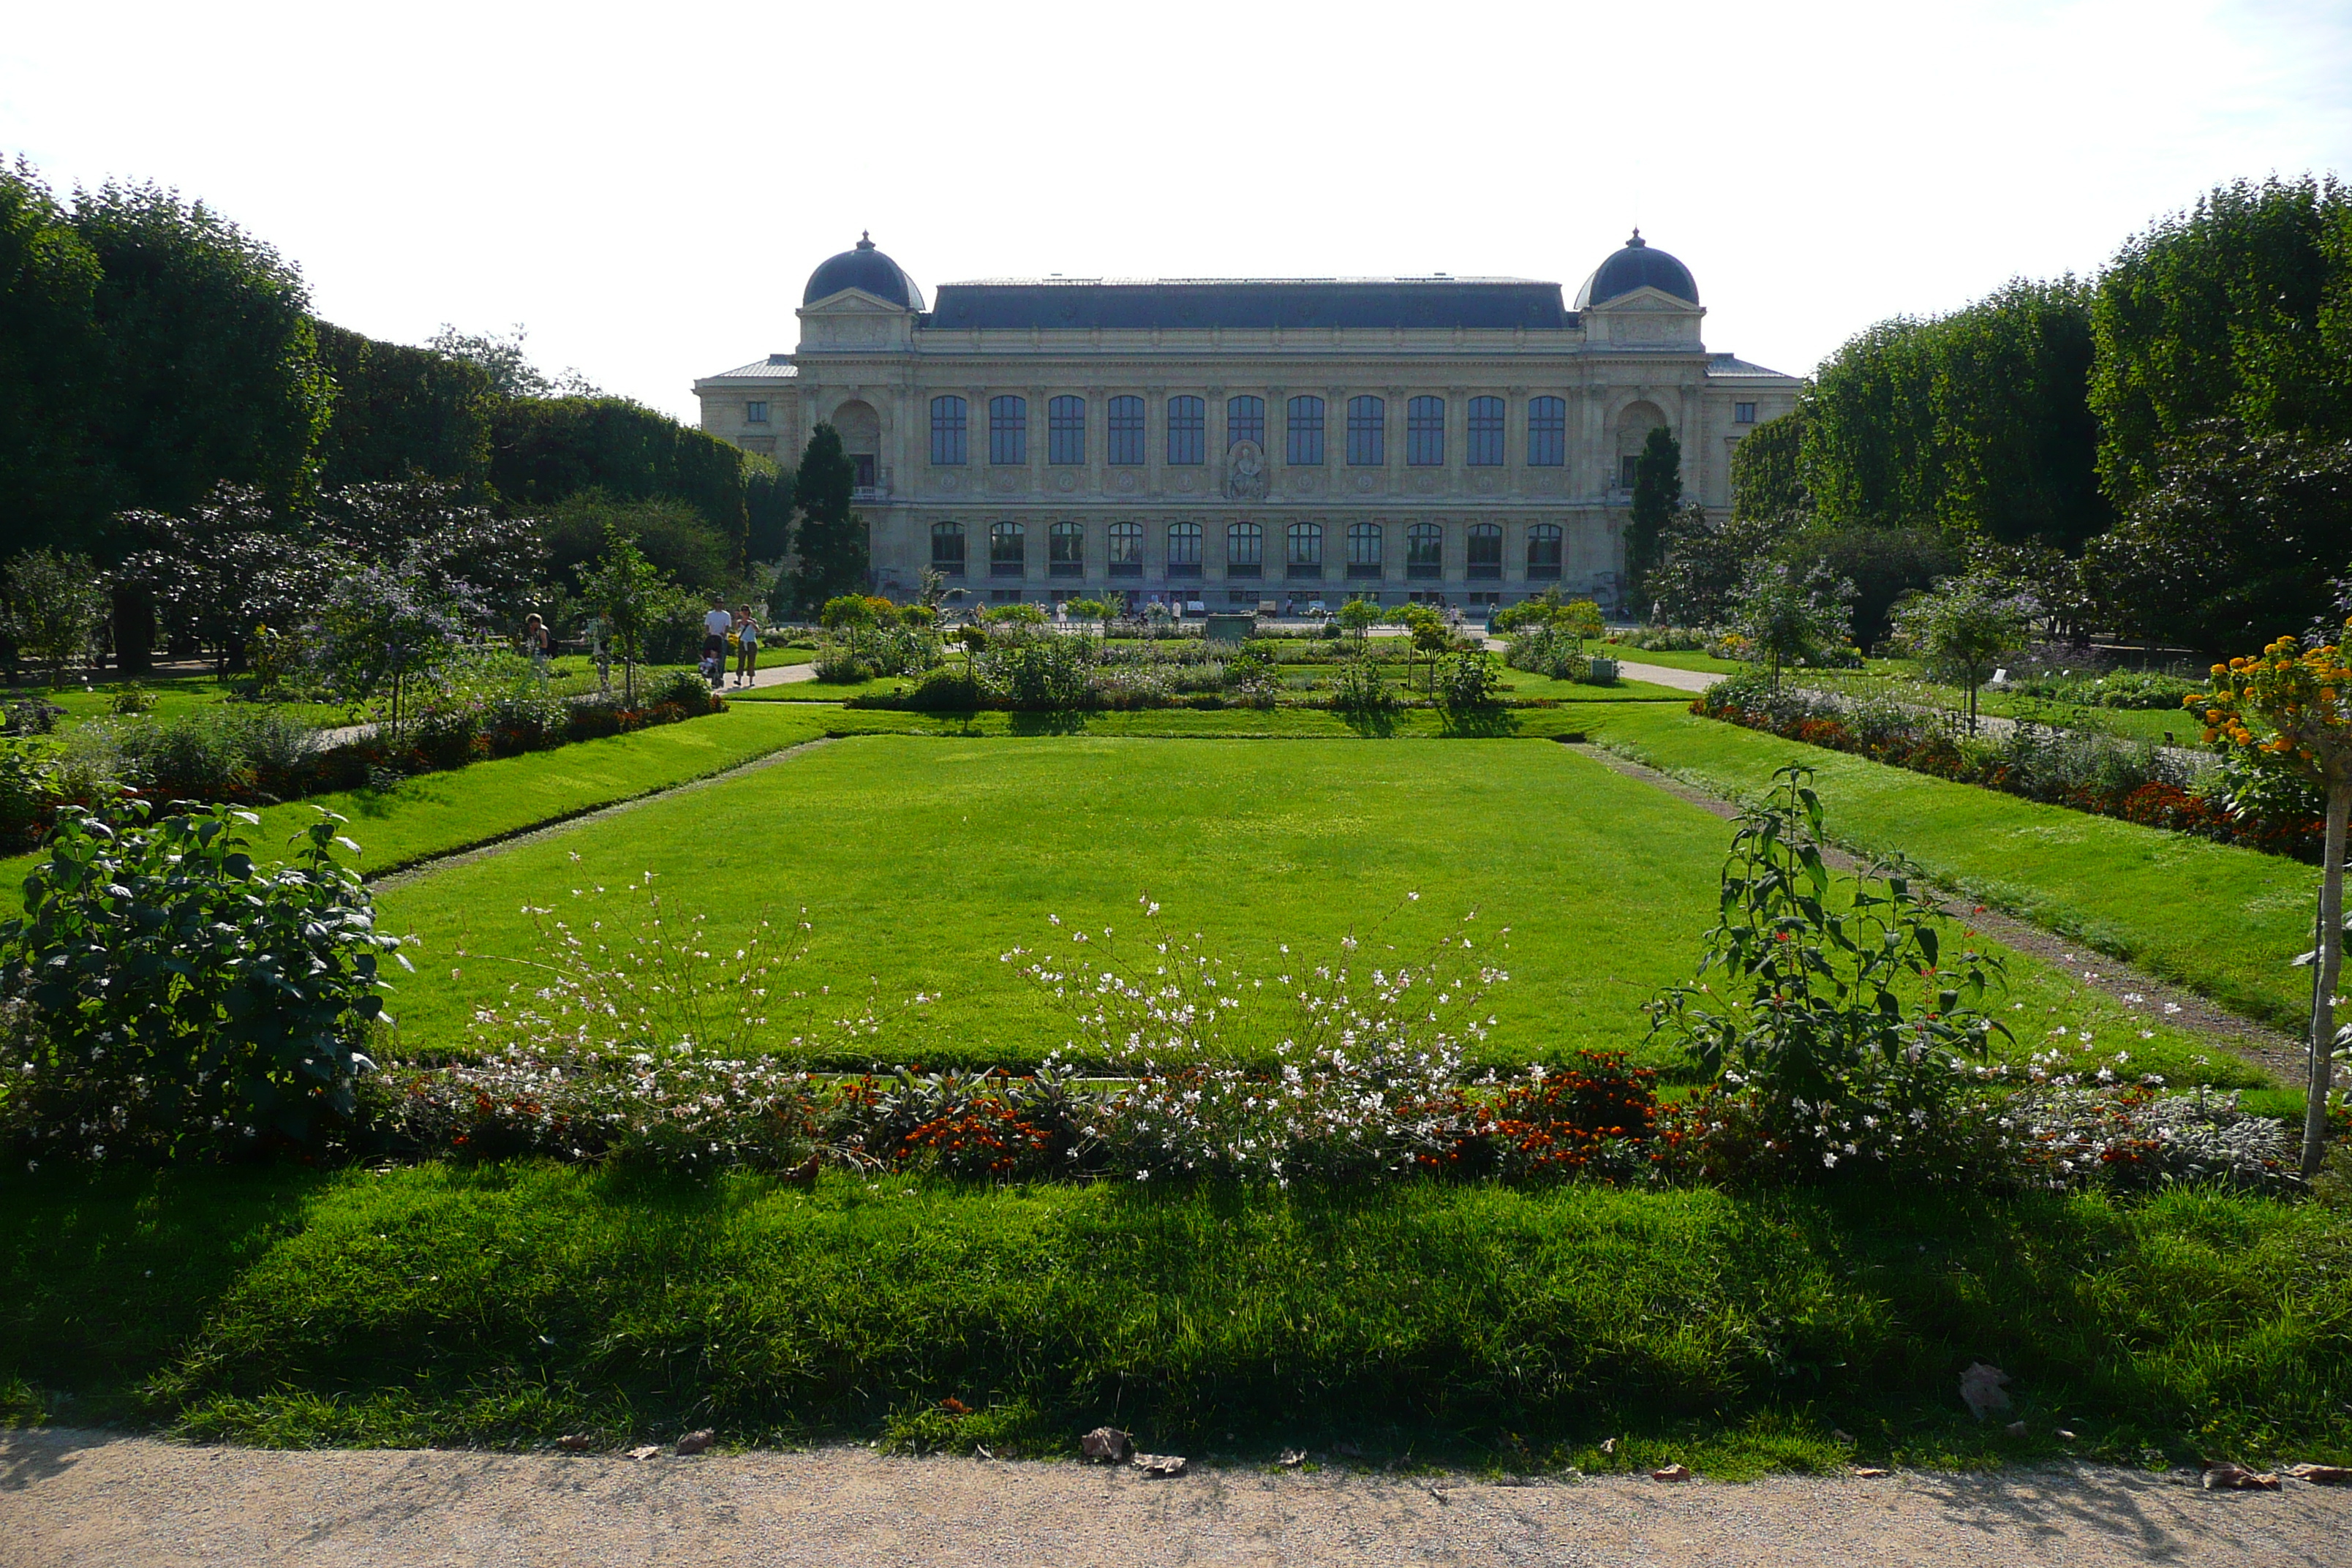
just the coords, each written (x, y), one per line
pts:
(1160, 1464)
(2322, 1475)
(1866, 1472)
(2064, 1435)
(644, 1451)
(1670, 1473)
(1607, 1444)
(696, 1442)
(2015, 1428)
(1982, 1389)
(1292, 1459)
(1108, 1444)
(2227, 1478)
(575, 1442)
(980, 1452)
(1442, 1499)
(1839, 1435)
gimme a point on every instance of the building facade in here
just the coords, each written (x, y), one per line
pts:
(1236, 441)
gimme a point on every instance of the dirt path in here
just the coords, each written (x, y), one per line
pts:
(71, 1499)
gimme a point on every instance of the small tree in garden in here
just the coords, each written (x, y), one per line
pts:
(1789, 618)
(847, 614)
(1430, 637)
(1961, 629)
(632, 596)
(51, 608)
(380, 630)
(1580, 618)
(2288, 710)
(1359, 616)
(973, 637)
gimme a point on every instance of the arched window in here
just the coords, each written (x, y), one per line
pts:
(1306, 550)
(1304, 447)
(1008, 430)
(1367, 432)
(1424, 550)
(1008, 550)
(1244, 550)
(1424, 433)
(947, 549)
(1183, 550)
(1483, 549)
(1126, 432)
(1127, 549)
(1547, 432)
(1065, 430)
(1244, 421)
(946, 431)
(1543, 551)
(1065, 550)
(1485, 433)
(1363, 550)
(1188, 422)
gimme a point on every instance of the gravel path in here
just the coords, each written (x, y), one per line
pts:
(78, 1500)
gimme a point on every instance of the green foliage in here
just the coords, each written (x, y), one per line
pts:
(681, 544)
(767, 510)
(187, 996)
(2233, 542)
(1470, 684)
(832, 553)
(1036, 672)
(547, 450)
(1359, 616)
(380, 630)
(1793, 617)
(1767, 472)
(1883, 565)
(402, 413)
(1657, 492)
(1962, 628)
(2238, 309)
(632, 597)
(208, 373)
(1821, 997)
(1018, 614)
(1703, 563)
(51, 608)
(1090, 609)
(1362, 692)
(50, 483)
(506, 366)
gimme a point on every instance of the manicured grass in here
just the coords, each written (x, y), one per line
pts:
(1505, 1329)
(1523, 684)
(921, 859)
(2223, 920)
(1685, 659)
(1901, 681)
(175, 697)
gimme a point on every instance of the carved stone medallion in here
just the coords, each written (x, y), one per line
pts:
(1246, 476)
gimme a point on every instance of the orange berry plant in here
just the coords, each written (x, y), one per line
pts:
(2289, 709)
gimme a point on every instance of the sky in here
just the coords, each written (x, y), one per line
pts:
(647, 187)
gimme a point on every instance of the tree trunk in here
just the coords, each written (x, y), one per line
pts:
(134, 632)
(2331, 957)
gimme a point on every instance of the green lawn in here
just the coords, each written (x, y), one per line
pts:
(1506, 1329)
(175, 697)
(922, 858)
(1685, 659)
(1901, 681)
(2223, 920)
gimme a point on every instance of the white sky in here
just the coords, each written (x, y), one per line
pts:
(648, 186)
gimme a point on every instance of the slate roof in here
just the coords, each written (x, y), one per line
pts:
(1733, 365)
(863, 267)
(1637, 264)
(1250, 303)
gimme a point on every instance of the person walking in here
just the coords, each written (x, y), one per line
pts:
(715, 624)
(537, 644)
(747, 645)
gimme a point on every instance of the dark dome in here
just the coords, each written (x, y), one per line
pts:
(864, 268)
(1639, 266)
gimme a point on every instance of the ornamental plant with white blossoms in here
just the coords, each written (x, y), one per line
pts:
(1337, 1070)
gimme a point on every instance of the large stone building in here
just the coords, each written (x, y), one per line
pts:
(1238, 440)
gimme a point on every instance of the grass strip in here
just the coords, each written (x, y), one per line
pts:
(2220, 920)
(1507, 1328)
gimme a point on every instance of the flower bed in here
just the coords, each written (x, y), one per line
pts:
(2103, 775)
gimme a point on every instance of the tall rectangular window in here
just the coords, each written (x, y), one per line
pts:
(1483, 552)
(1008, 550)
(1065, 550)
(1424, 433)
(1363, 550)
(1065, 430)
(1741, 413)
(1008, 430)
(946, 431)
(1305, 445)
(1486, 431)
(1246, 421)
(1424, 550)
(1547, 432)
(1183, 550)
(1126, 432)
(1543, 551)
(1368, 427)
(1127, 549)
(757, 413)
(1244, 550)
(1188, 423)
(947, 549)
(1305, 556)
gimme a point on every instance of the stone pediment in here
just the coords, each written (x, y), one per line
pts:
(853, 319)
(851, 302)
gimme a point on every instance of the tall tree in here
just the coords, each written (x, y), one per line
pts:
(402, 413)
(1658, 491)
(210, 369)
(1767, 472)
(50, 349)
(831, 553)
(2240, 307)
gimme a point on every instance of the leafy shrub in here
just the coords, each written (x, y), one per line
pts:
(945, 690)
(1664, 639)
(181, 997)
(900, 649)
(132, 701)
(222, 753)
(2120, 689)
(1834, 1007)
(838, 665)
(684, 690)
(30, 715)
(1362, 692)
(1038, 672)
(1547, 649)
(1470, 682)
(29, 797)
(1250, 673)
